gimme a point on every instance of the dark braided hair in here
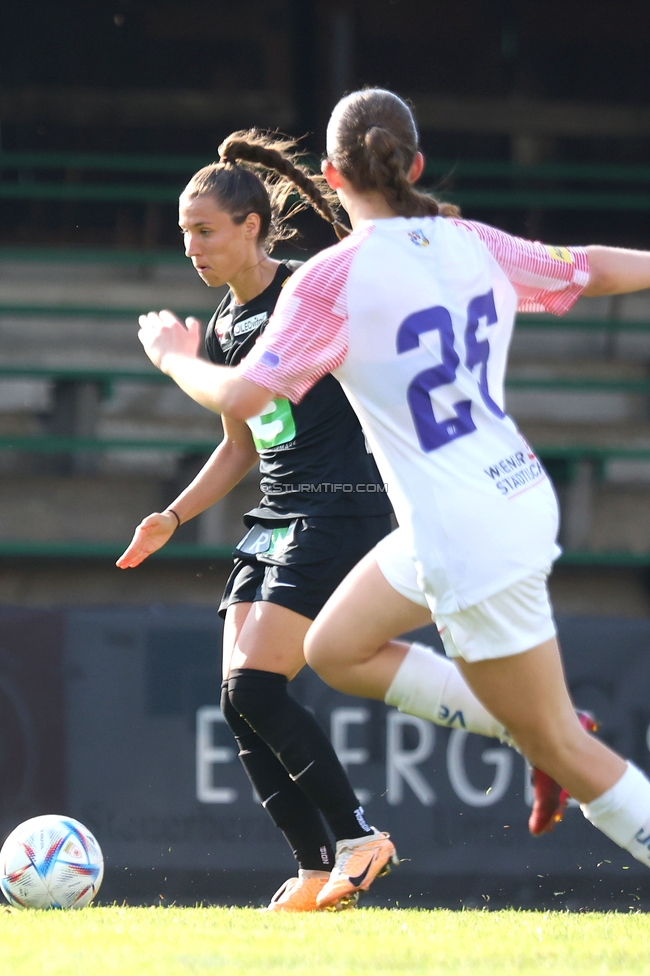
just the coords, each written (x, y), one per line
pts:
(239, 190)
(372, 140)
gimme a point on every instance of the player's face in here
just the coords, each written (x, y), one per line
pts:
(218, 247)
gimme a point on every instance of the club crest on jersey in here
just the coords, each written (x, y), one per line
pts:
(223, 324)
(418, 238)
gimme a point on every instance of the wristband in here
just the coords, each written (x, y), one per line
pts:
(175, 514)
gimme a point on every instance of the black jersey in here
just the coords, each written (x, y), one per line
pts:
(313, 455)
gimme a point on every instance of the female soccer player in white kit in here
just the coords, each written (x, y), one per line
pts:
(413, 314)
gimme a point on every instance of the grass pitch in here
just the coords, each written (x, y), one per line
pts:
(245, 942)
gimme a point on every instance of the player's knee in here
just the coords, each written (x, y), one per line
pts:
(237, 725)
(230, 714)
(334, 654)
(253, 695)
(546, 743)
(224, 700)
(318, 652)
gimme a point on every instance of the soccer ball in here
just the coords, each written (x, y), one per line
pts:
(50, 862)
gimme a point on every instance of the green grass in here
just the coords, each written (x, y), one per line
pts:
(245, 942)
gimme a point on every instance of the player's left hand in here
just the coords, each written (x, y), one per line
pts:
(161, 333)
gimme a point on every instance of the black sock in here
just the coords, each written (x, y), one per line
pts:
(296, 738)
(289, 808)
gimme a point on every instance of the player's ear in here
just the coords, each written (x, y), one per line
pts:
(252, 225)
(331, 174)
(417, 167)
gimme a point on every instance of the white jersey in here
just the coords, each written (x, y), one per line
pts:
(414, 317)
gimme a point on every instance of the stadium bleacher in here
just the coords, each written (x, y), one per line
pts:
(79, 403)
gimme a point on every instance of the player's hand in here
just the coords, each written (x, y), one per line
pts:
(151, 535)
(162, 333)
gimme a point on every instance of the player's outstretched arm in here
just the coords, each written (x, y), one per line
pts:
(616, 270)
(173, 348)
(225, 468)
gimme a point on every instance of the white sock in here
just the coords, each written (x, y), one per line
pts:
(431, 686)
(358, 841)
(623, 813)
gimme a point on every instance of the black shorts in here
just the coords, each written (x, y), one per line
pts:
(316, 554)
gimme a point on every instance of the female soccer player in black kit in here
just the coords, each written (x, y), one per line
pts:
(322, 510)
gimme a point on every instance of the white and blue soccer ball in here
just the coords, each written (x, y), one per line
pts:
(50, 862)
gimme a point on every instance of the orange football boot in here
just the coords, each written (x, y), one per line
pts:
(358, 862)
(300, 894)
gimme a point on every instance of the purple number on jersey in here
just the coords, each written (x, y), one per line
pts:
(478, 353)
(433, 434)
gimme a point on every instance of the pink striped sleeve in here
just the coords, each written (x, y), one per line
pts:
(307, 336)
(546, 278)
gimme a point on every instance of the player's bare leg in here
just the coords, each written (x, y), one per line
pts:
(351, 646)
(528, 693)
(264, 636)
(550, 799)
(350, 642)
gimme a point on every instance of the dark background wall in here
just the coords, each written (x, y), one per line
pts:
(177, 76)
(308, 52)
(112, 716)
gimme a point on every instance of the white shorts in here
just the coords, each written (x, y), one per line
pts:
(509, 622)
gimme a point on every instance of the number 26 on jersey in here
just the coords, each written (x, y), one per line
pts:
(432, 433)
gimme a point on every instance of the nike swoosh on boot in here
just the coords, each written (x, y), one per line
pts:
(360, 878)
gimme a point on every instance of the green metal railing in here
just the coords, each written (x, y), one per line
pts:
(524, 321)
(109, 162)
(480, 199)
(588, 557)
(108, 376)
(525, 187)
(568, 384)
(90, 192)
(89, 311)
(568, 172)
(27, 548)
(446, 168)
(130, 258)
(57, 444)
(561, 323)
(73, 165)
(591, 452)
(536, 187)
(73, 549)
(84, 374)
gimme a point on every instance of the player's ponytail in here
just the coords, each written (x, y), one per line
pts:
(258, 173)
(279, 156)
(372, 140)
